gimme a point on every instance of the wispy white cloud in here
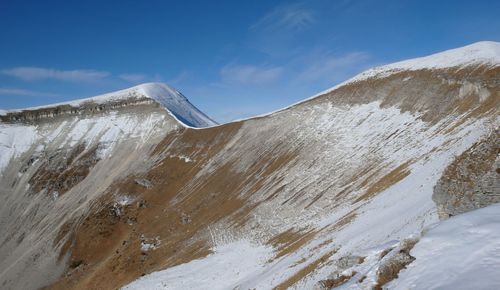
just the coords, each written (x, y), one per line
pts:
(23, 92)
(133, 78)
(38, 73)
(250, 74)
(294, 16)
(333, 67)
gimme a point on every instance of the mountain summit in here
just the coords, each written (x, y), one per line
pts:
(169, 98)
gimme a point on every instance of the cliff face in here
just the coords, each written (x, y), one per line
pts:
(333, 191)
(471, 181)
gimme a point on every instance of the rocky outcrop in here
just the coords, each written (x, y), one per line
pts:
(85, 109)
(471, 181)
(394, 261)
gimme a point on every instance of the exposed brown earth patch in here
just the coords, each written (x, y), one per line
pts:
(394, 90)
(172, 212)
(59, 173)
(290, 241)
(302, 273)
(391, 178)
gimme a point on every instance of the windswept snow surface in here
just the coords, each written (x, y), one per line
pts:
(226, 268)
(172, 100)
(462, 252)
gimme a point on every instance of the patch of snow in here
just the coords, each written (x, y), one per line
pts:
(124, 200)
(462, 252)
(149, 244)
(55, 195)
(14, 141)
(226, 268)
(186, 159)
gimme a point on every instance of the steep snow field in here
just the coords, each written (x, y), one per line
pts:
(14, 140)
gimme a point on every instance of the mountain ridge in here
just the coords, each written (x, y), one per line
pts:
(479, 53)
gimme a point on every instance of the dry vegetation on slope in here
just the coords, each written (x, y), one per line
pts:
(231, 178)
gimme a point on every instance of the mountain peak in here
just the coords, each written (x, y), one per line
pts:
(175, 103)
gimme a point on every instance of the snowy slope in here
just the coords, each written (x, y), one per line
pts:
(224, 269)
(460, 253)
(485, 53)
(172, 100)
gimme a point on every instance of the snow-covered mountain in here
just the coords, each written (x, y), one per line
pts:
(351, 188)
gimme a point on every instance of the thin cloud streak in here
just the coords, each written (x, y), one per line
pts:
(38, 73)
(133, 78)
(250, 74)
(333, 66)
(295, 17)
(23, 92)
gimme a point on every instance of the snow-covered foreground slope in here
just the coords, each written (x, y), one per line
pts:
(460, 253)
(336, 191)
(226, 268)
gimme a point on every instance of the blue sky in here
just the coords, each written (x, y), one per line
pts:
(232, 59)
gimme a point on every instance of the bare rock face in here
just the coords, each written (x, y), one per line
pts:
(471, 181)
(394, 261)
